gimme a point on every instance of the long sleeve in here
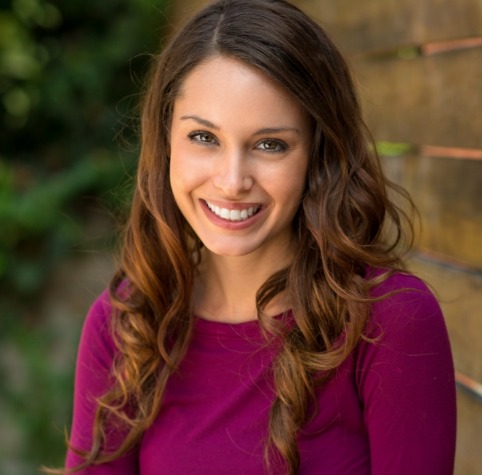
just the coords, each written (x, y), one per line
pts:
(92, 379)
(406, 384)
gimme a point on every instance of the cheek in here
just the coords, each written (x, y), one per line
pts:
(186, 174)
(292, 182)
(178, 179)
(185, 177)
(179, 167)
(174, 175)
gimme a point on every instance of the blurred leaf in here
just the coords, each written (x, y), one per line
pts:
(69, 81)
(66, 69)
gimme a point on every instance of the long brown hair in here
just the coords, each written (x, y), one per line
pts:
(341, 226)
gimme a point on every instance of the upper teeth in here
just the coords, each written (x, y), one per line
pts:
(233, 214)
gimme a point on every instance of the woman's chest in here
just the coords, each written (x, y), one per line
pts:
(215, 419)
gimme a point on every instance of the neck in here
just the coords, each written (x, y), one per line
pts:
(227, 286)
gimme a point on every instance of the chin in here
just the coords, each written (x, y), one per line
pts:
(230, 249)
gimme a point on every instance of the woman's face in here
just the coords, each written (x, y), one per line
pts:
(239, 156)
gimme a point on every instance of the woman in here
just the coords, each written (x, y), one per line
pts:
(259, 321)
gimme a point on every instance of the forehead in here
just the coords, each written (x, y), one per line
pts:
(222, 86)
(219, 66)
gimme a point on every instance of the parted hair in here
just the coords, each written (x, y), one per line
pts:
(346, 224)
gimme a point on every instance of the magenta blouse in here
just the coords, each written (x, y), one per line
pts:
(388, 410)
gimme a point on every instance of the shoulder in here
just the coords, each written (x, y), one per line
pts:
(96, 342)
(406, 344)
(399, 283)
(99, 315)
(405, 304)
(102, 311)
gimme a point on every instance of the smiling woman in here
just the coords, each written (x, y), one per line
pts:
(260, 321)
(240, 179)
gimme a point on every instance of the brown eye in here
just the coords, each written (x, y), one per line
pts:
(201, 137)
(271, 145)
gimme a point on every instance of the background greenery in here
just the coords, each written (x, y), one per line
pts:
(70, 74)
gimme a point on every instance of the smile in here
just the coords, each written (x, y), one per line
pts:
(233, 214)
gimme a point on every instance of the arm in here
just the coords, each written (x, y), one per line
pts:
(92, 379)
(406, 384)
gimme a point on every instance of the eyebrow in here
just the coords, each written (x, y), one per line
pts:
(200, 121)
(275, 130)
(264, 131)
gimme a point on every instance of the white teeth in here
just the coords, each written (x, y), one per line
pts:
(233, 214)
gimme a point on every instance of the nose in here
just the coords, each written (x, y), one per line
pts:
(232, 175)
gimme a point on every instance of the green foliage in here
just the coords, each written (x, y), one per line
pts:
(41, 223)
(68, 73)
(69, 85)
(393, 149)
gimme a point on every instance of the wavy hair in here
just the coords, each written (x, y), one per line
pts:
(346, 224)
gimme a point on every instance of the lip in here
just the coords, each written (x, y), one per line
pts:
(232, 225)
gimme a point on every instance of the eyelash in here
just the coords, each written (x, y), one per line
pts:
(280, 145)
(194, 136)
(196, 133)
